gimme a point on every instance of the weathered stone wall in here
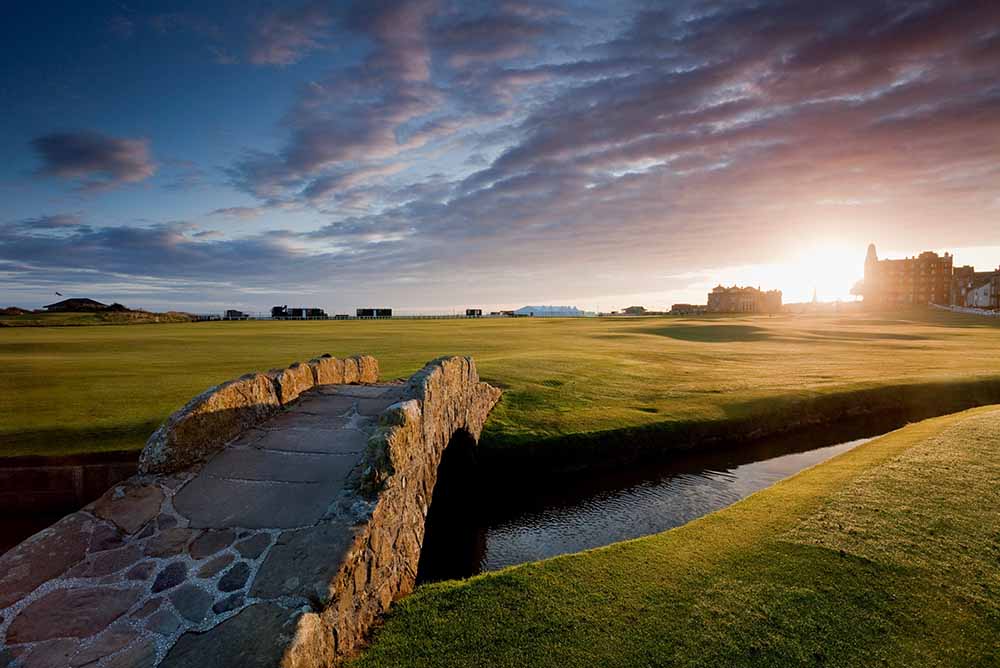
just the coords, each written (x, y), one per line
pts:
(220, 414)
(397, 481)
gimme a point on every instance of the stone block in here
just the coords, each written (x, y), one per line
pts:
(213, 567)
(172, 575)
(292, 382)
(253, 546)
(141, 571)
(230, 602)
(327, 370)
(50, 654)
(211, 542)
(367, 369)
(105, 563)
(351, 372)
(234, 578)
(256, 637)
(44, 556)
(192, 602)
(208, 422)
(281, 465)
(71, 613)
(163, 622)
(130, 505)
(107, 643)
(304, 562)
(169, 542)
(219, 503)
(141, 654)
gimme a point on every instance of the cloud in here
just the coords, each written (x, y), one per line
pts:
(58, 221)
(96, 161)
(286, 35)
(345, 126)
(594, 144)
(349, 119)
(244, 212)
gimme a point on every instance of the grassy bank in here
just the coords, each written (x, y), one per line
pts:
(884, 556)
(570, 382)
(82, 319)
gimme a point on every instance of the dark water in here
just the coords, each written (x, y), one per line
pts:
(478, 524)
(36, 492)
(16, 527)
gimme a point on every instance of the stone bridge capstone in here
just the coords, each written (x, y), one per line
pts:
(273, 519)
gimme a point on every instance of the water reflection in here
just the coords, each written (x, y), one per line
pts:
(479, 524)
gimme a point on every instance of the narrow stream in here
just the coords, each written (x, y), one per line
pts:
(478, 524)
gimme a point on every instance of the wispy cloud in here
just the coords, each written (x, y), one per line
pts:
(286, 35)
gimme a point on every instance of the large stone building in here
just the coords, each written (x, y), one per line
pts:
(924, 279)
(743, 300)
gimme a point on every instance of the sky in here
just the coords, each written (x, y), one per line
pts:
(435, 155)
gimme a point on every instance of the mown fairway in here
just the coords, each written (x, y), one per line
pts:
(75, 389)
(884, 556)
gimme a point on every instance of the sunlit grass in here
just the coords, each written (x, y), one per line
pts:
(74, 389)
(884, 556)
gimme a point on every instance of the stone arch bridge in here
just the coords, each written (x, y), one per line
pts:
(273, 519)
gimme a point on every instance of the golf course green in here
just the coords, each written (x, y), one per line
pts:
(83, 389)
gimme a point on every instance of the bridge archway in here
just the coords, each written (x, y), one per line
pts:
(453, 542)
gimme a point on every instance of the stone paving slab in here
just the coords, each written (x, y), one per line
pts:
(345, 441)
(280, 465)
(252, 504)
(310, 441)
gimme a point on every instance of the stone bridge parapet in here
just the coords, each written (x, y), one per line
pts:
(274, 518)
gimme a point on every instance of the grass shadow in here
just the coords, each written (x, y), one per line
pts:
(712, 333)
(59, 441)
(864, 336)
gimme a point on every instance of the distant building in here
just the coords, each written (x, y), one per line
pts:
(688, 309)
(743, 300)
(550, 312)
(76, 305)
(976, 289)
(374, 312)
(983, 291)
(473, 313)
(233, 314)
(297, 313)
(634, 310)
(924, 279)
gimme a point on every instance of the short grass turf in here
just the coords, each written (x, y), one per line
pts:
(888, 555)
(78, 389)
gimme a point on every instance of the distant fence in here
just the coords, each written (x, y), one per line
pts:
(212, 317)
(968, 310)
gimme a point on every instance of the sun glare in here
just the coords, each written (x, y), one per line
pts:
(828, 268)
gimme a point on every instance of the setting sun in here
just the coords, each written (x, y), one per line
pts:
(829, 268)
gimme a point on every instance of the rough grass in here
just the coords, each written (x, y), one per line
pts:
(72, 319)
(884, 556)
(78, 389)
